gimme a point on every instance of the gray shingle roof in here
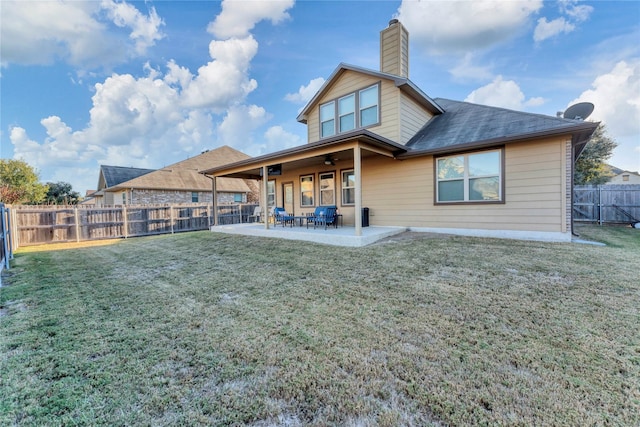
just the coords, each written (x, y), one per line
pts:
(465, 124)
(114, 175)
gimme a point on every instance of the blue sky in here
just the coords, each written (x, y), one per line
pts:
(147, 84)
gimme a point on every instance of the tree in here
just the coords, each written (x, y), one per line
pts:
(19, 183)
(61, 193)
(590, 167)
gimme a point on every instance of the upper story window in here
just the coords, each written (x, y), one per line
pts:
(356, 110)
(327, 120)
(473, 177)
(194, 197)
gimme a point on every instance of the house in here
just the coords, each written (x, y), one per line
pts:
(89, 198)
(623, 177)
(177, 183)
(377, 141)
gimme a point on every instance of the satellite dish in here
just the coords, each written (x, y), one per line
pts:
(579, 111)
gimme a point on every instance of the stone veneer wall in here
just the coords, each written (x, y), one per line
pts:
(144, 197)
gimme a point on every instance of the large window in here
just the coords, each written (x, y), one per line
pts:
(355, 110)
(474, 177)
(348, 188)
(306, 191)
(327, 188)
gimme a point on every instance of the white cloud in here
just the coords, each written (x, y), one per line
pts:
(277, 138)
(502, 93)
(238, 126)
(154, 119)
(76, 32)
(575, 14)
(616, 99)
(576, 11)
(225, 80)
(467, 70)
(239, 17)
(547, 29)
(498, 93)
(458, 26)
(145, 29)
(305, 93)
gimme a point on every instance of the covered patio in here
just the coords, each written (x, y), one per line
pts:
(339, 158)
(341, 236)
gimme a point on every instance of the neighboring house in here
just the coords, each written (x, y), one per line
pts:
(624, 177)
(89, 198)
(177, 183)
(376, 140)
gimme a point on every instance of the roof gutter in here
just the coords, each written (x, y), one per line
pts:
(580, 133)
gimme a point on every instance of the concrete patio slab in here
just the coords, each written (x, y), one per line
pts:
(341, 236)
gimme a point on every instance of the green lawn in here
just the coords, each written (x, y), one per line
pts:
(208, 329)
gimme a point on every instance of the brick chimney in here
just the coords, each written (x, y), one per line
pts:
(394, 49)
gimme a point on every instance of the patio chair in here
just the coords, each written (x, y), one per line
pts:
(281, 216)
(257, 214)
(323, 216)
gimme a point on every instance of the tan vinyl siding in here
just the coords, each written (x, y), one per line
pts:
(394, 50)
(413, 118)
(402, 193)
(568, 167)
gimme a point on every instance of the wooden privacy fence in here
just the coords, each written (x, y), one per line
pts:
(37, 225)
(606, 203)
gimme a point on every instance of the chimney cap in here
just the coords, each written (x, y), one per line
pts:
(393, 21)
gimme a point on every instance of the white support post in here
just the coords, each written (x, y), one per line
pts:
(357, 172)
(214, 214)
(265, 197)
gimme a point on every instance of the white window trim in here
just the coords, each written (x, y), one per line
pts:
(345, 187)
(271, 185)
(332, 189)
(313, 191)
(466, 178)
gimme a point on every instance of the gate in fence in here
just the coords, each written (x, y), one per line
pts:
(617, 204)
(37, 225)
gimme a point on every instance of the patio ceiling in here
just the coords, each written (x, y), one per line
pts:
(311, 155)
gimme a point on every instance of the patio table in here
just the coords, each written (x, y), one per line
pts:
(299, 219)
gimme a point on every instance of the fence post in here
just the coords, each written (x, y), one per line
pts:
(125, 221)
(208, 216)
(77, 219)
(14, 236)
(5, 234)
(171, 217)
(599, 193)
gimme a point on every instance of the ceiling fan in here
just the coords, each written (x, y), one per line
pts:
(329, 161)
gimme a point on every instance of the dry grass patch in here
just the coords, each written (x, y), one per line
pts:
(206, 329)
